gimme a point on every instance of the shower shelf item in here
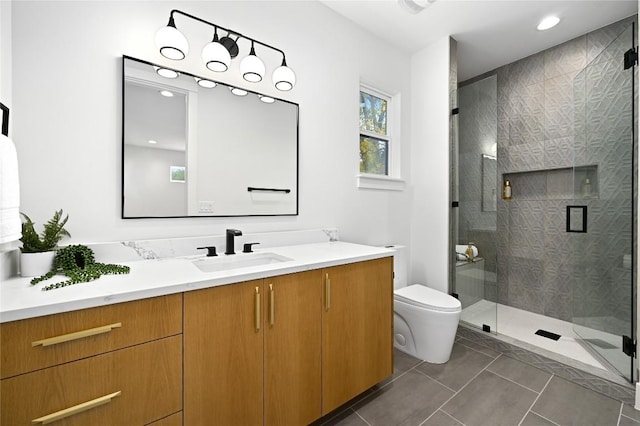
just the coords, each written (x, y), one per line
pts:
(579, 183)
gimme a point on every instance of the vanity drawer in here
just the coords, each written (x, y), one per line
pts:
(136, 386)
(41, 342)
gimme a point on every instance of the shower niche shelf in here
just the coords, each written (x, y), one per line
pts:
(579, 183)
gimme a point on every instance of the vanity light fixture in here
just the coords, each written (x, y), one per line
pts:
(166, 72)
(238, 92)
(548, 23)
(266, 99)
(207, 84)
(218, 53)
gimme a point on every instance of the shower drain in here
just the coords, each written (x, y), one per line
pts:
(548, 334)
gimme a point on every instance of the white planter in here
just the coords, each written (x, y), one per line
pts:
(36, 264)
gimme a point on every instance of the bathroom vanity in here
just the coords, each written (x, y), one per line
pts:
(280, 343)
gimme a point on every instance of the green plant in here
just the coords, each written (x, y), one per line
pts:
(51, 235)
(78, 263)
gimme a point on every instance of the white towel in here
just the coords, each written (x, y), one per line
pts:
(462, 249)
(10, 224)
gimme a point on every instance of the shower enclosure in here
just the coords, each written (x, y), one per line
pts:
(559, 126)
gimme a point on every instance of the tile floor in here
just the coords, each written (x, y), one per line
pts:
(478, 386)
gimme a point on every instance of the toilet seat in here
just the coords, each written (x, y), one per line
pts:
(426, 297)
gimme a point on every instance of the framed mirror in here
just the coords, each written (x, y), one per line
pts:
(193, 147)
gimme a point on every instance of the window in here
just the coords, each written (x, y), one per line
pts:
(379, 140)
(374, 135)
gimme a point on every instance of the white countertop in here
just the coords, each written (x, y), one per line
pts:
(156, 277)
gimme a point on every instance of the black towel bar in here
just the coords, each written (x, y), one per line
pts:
(251, 189)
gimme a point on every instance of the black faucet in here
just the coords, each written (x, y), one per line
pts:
(231, 233)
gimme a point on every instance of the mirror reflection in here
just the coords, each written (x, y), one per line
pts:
(191, 147)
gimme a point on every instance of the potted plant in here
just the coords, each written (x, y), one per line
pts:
(38, 250)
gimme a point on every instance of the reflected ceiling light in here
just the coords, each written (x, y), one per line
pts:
(215, 56)
(218, 53)
(171, 42)
(548, 22)
(415, 6)
(252, 67)
(207, 84)
(166, 93)
(152, 142)
(166, 72)
(266, 99)
(238, 92)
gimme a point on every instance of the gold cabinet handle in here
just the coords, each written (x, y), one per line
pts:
(327, 293)
(77, 335)
(272, 309)
(59, 415)
(257, 307)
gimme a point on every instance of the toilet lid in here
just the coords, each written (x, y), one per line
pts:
(423, 296)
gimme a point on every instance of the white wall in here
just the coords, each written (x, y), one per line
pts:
(430, 166)
(66, 110)
(5, 53)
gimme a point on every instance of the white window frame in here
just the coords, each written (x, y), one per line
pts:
(392, 181)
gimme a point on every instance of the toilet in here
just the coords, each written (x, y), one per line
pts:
(425, 319)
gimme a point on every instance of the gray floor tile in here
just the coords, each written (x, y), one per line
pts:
(480, 348)
(490, 400)
(463, 365)
(569, 404)
(440, 418)
(533, 419)
(521, 373)
(407, 401)
(346, 418)
(403, 362)
(626, 421)
(631, 412)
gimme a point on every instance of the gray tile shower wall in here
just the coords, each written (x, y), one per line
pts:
(555, 110)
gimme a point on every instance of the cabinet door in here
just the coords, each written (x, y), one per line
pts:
(223, 351)
(292, 348)
(357, 329)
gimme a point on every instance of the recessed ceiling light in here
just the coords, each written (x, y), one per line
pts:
(151, 141)
(166, 93)
(548, 22)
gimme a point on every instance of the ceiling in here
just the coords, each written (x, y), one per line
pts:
(489, 33)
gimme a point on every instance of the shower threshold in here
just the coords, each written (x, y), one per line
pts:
(519, 327)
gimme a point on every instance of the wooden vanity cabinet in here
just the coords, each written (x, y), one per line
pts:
(357, 329)
(114, 365)
(252, 352)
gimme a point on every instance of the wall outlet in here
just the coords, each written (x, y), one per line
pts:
(205, 207)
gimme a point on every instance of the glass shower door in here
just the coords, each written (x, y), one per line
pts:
(600, 218)
(475, 280)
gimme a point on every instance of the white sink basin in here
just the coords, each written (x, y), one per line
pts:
(238, 261)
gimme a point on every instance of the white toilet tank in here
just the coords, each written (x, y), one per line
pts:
(400, 266)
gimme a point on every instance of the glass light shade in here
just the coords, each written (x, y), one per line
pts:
(284, 78)
(207, 84)
(238, 92)
(172, 43)
(252, 68)
(216, 57)
(166, 72)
